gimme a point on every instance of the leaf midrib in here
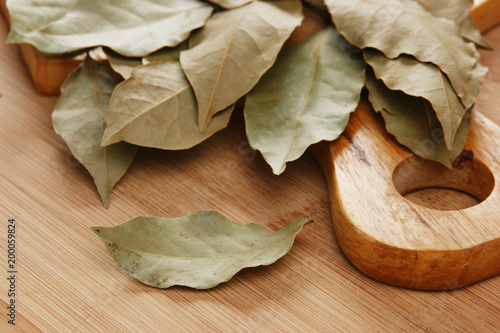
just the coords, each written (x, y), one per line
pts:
(308, 92)
(122, 127)
(99, 113)
(210, 258)
(203, 124)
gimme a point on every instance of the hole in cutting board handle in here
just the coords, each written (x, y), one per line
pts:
(427, 183)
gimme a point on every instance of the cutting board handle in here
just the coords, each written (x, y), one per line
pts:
(394, 240)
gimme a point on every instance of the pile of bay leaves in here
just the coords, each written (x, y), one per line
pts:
(177, 68)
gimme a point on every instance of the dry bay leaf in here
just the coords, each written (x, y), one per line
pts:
(472, 34)
(29, 16)
(80, 117)
(230, 3)
(235, 48)
(199, 250)
(128, 28)
(459, 12)
(420, 79)
(414, 124)
(166, 54)
(304, 98)
(156, 107)
(398, 27)
(120, 64)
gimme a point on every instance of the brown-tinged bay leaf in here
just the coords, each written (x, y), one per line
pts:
(235, 48)
(156, 107)
(200, 250)
(420, 79)
(305, 97)
(459, 12)
(127, 27)
(398, 27)
(414, 124)
(120, 64)
(80, 117)
(29, 16)
(229, 4)
(166, 54)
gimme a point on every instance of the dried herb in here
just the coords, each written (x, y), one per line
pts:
(29, 16)
(236, 47)
(120, 64)
(459, 12)
(421, 79)
(304, 98)
(156, 107)
(414, 124)
(166, 54)
(80, 118)
(199, 250)
(186, 63)
(229, 4)
(398, 27)
(125, 27)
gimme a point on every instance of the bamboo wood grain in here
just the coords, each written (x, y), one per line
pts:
(68, 283)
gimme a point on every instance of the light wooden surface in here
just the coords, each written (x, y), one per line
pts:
(68, 282)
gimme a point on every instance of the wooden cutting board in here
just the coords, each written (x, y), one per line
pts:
(67, 282)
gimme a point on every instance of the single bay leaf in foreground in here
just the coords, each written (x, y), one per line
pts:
(414, 124)
(420, 79)
(156, 107)
(80, 117)
(236, 47)
(459, 12)
(306, 97)
(29, 16)
(398, 27)
(199, 250)
(126, 27)
(120, 64)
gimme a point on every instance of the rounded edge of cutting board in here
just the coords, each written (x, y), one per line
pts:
(394, 240)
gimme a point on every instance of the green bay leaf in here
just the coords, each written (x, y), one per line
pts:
(127, 27)
(80, 117)
(156, 107)
(236, 47)
(29, 16)
(304, 98)
(414, 124)
(398, 27)
(199, 250)
(420, 79)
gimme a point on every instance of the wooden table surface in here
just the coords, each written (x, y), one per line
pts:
(67, 282)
